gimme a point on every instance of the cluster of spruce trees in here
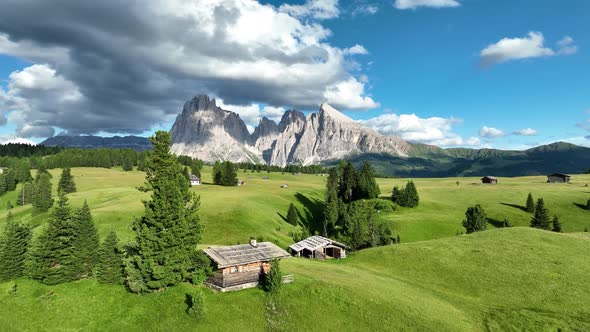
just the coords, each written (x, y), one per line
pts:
(67, 249)
(225, 173)
(350, 207)
(541, 218)
(406, 197)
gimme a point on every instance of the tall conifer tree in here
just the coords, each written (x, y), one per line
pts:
(66, 181)
(14, 245)
(87, 242)
(42, 199)
(109, 269)
(168, 232)
(530, 204)
(541, 216)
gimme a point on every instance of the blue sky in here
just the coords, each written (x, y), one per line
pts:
(477, 73)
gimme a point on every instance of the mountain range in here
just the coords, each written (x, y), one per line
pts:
(204, 130)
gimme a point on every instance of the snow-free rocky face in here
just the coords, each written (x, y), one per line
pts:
(205, 131)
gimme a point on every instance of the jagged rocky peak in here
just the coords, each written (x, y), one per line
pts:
(201, 103)
(327, 110)
(266, 127)
(290, 117)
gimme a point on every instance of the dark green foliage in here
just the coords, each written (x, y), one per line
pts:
(168, 232)
(195, 304)
(10, 179)
(66, 182)
(292, 168)
(367, 185)
(348, 182)
(53, 259)
(588, 205)
(87, 242)
(25, 196)
(556, 225)
(506, 223)
(407, 197)
(14, 244)
(186, 173)
(42, 200)
(23, 171)
(361, 230)
(475, 219)
(3, 188)
(292, 215)
(109, 268)
(225, 174)
(196, 169)
(9, 205)
(273, 279)
(530, 204)
(541, 216)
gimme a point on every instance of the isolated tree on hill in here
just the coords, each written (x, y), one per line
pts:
(292, 217)
(412, 195)
(109, 268)
(42, 200)
(169, 231)
(530, 204)
(274, 277)
(87, 242)
(25, 196)
(556, 224)
(475, 219)
(53, 258)
(66, 182)
(14, 245)
(541, 216)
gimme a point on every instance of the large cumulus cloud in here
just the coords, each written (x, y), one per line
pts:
(123, 65)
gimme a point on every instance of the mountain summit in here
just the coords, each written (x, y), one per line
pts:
(205, 131)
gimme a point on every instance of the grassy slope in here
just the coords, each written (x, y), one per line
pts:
(508, 279)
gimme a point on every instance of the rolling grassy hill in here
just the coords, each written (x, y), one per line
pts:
(502, 279)
(508, 279)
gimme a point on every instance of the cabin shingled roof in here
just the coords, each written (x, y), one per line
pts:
(245, 254)
(490, 177)
(315, 242)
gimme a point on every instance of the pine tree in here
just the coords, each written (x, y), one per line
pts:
(109, 268)
(10, 179)
(412, 197)
(23, 171)
(195, 169)
(292, 217)
(530, 204)
(42, 200)
(53, 258)
(367, 186)
(229, 174)
(274, 277)
(66, 182)
(25, 195)
(348, 183)
(397, 196)
(14, 245)
(186, 174)
(2, 184)
(541, 216)
(475, 219)
(42, 169)
(87, 242)
(217, 173)
(168, 232)
(556, 224)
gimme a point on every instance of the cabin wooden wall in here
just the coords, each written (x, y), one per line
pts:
(238, 275)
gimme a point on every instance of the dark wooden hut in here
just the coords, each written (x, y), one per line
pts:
(558, 178)
(241, 266)
(489, 180)
(318, 247)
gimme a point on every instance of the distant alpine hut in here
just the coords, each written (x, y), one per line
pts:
(241, 266)
(558, 178)
(284, 185)
(489, 180)
(195, 181)
(318, 247)
(241, 182)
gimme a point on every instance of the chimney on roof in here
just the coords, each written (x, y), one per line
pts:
(253, 243)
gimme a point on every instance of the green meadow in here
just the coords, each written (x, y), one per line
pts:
(435, 280)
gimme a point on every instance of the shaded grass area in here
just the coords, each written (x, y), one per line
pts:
(506, 279)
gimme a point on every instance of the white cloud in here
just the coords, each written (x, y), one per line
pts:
(531, 46)
(317, 9)
(491, 132)
(139, 62)
(251, 114)
(413, 4)
(7, 139)
(366, 9)
(356, 49)
(410, 127)
(526, 132)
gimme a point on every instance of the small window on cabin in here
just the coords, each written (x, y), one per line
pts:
(233, 269)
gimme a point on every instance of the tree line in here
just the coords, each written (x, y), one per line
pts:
(310, 169)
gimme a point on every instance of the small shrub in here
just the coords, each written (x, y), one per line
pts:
(586, 229)
(588, 205)
(273, 280)
(13, 289)
(475, 219)
(133, 279)
(506, 223)
(195, 305)
(382, 205)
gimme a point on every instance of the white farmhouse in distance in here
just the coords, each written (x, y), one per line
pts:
(195, 181)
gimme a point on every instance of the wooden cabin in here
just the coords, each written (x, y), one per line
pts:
(195, 181)
(489, 180)
(558, 178)
(318, 247)
(284, 185)
(241, 266)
